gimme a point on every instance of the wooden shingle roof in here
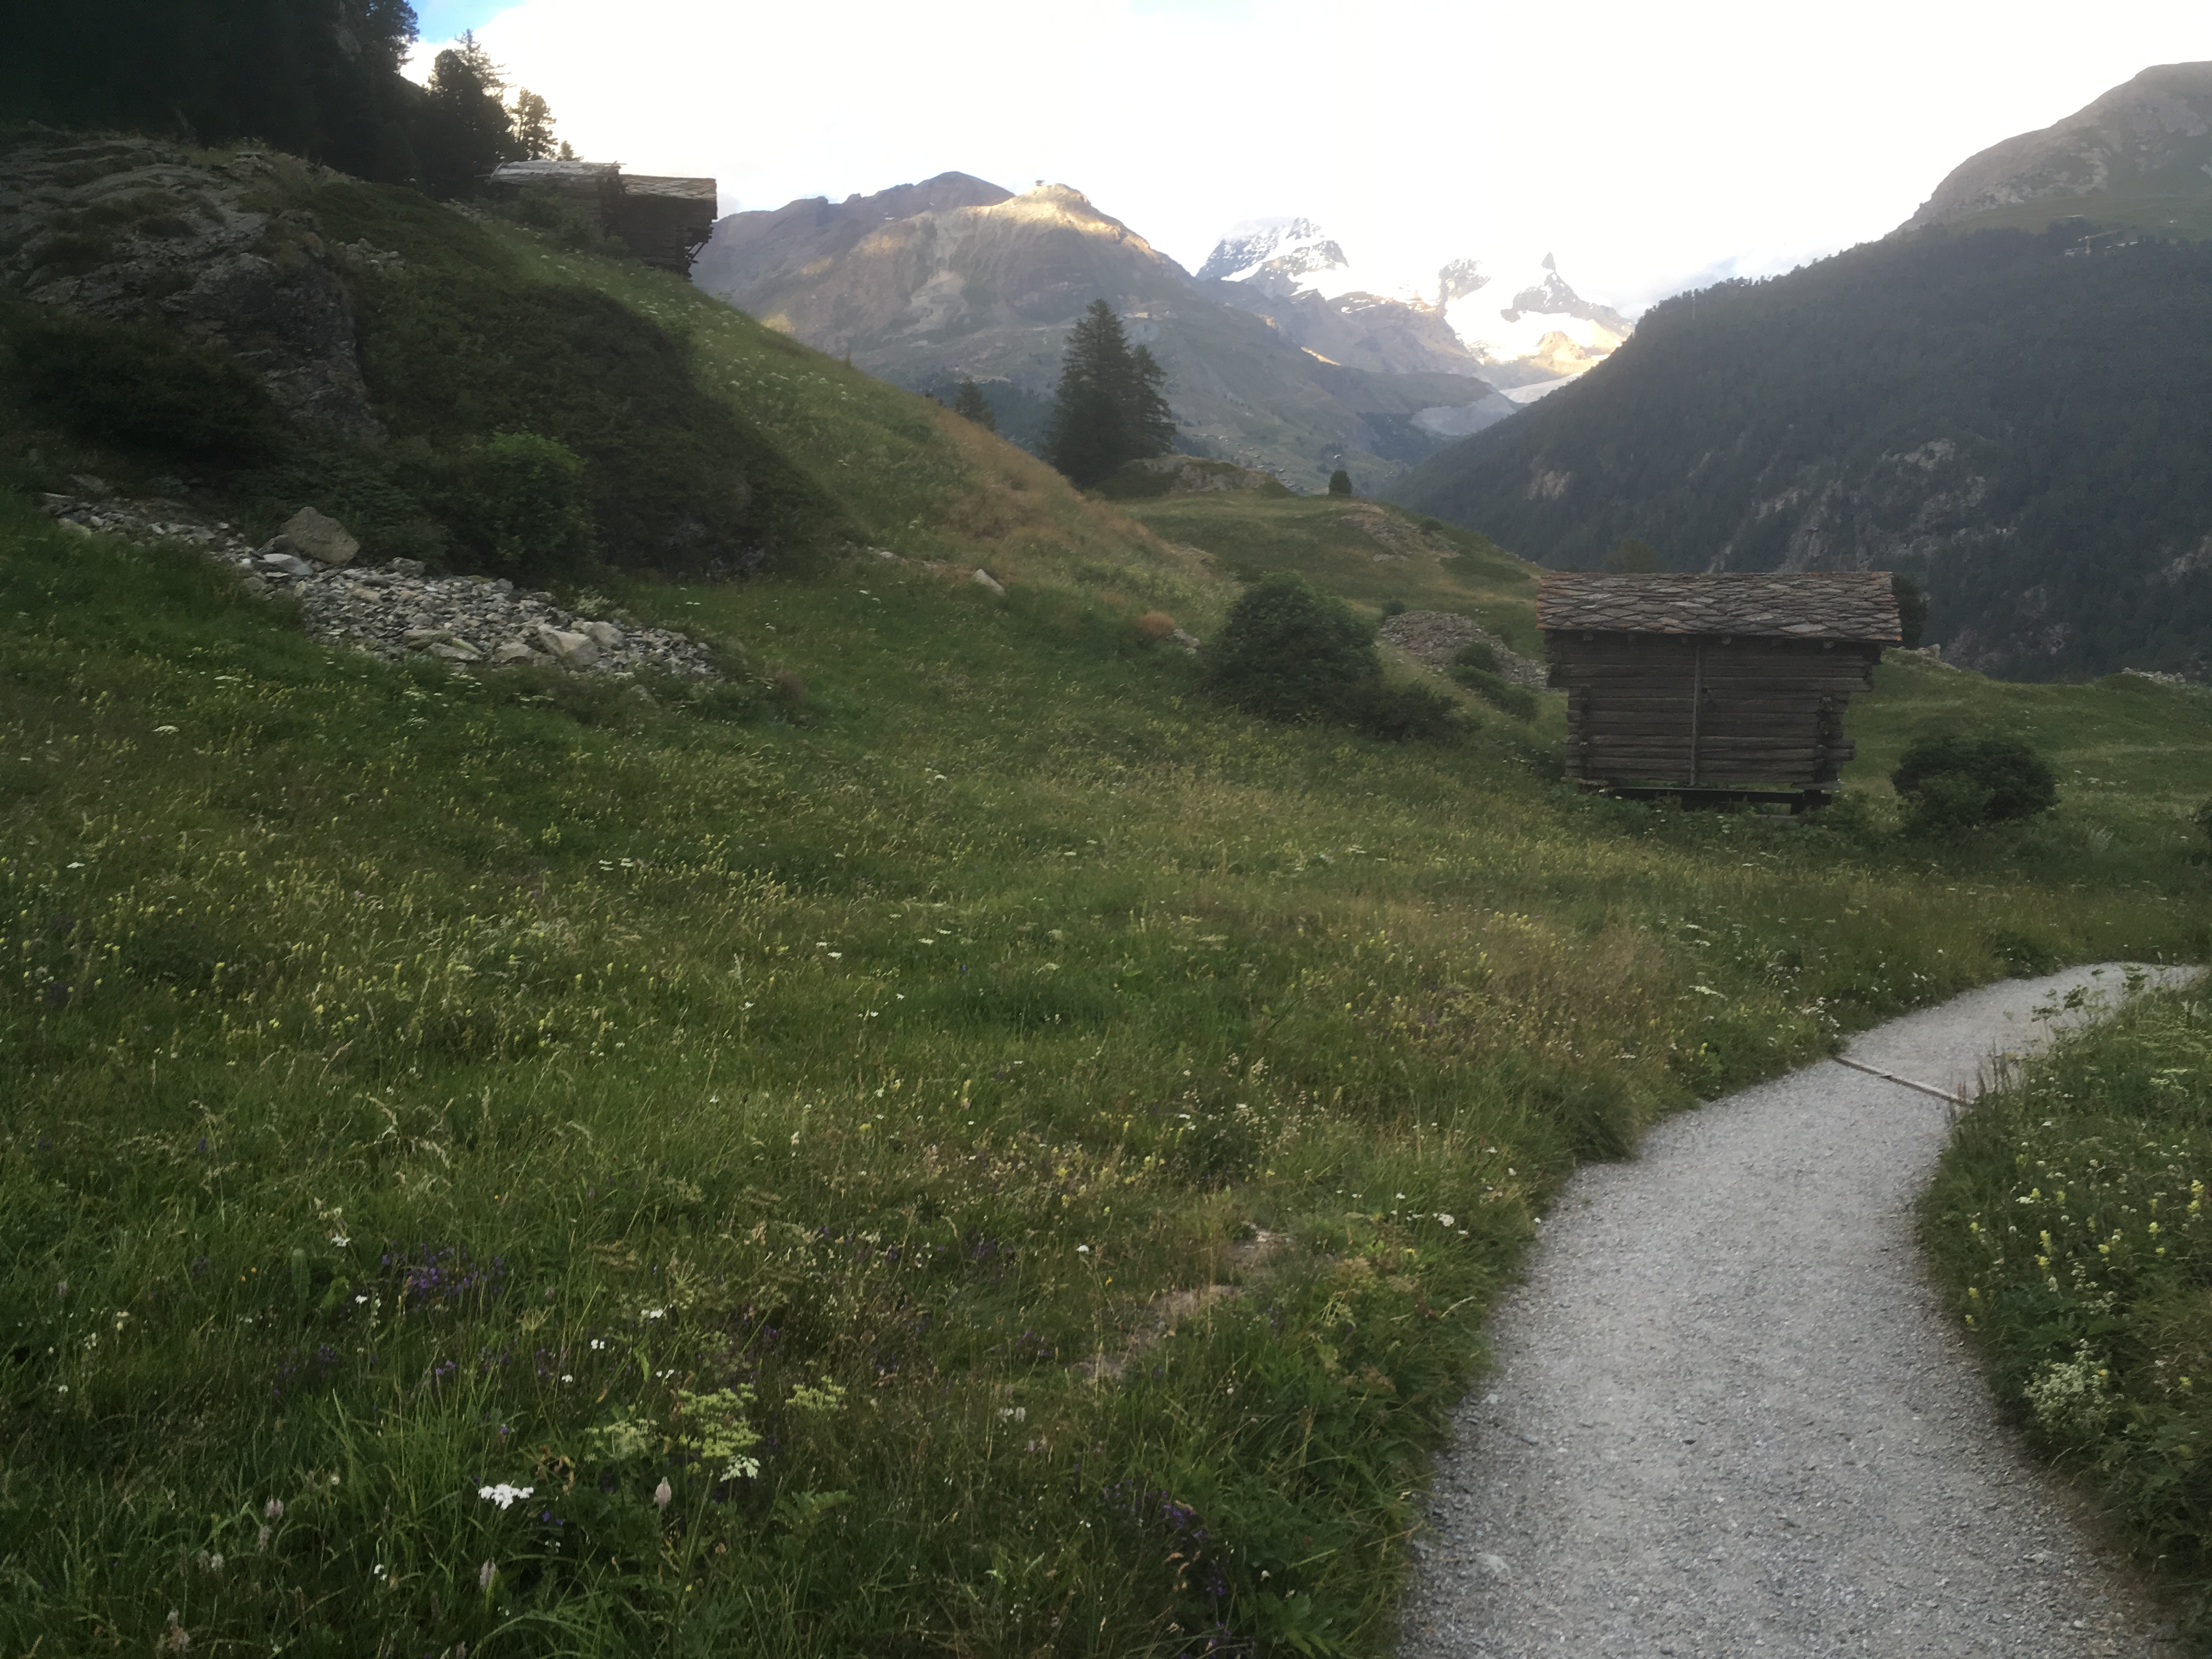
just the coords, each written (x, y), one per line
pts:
(1817, 604)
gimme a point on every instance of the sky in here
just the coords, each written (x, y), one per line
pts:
(1649, 148)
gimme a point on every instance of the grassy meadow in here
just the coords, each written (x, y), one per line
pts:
(997, 1156)
(948, 1142)
(2068, 1227)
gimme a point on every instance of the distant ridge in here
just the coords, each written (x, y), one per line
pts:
(2140, 154)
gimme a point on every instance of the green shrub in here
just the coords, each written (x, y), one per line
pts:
(139, 385)
(1339, 483)
(1136, 483)
(567, 221)
(1952, 781)
(1498, 692)
(2203, 818)
(1476, 668)
(1289, 651)
(1404, 714)
(522, 503)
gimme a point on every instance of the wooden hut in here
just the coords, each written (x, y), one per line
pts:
(1720, 686)
(664, 221)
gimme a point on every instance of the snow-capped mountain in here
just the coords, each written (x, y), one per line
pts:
(1277, 255)
(1542, 333)
(1543, 323)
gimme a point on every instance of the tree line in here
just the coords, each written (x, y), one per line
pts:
(318, 78)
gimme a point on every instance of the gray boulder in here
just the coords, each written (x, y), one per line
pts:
(569, 650)
(312, 536)
(983, 579)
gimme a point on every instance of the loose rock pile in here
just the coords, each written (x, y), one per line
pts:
(398, 610)
(1433, 638)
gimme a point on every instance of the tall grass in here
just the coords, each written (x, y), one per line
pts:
(1021, 1157)
(2069, 1223)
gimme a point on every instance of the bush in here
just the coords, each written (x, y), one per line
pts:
(567, 221)
(1476, 668)
(139, 385)
(1498, 692)
(523, 503)
(1289, 651)
(2201, 817)
(1952, 781)
(1404, 714)
(1339, 483)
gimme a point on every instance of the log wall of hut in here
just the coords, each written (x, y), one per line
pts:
(1704, 711)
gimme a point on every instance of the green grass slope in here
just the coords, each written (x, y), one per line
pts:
(2069, 1226)
(711, 442)
(1016, 1158)
(980, 1151)
(1371, 552)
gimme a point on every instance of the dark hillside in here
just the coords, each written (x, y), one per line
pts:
(2021, 421)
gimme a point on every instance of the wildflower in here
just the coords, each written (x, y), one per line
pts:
(485, 1574)
(274, 1509)
(662, 1495)
(651, 1313)
(502, 1494)
(1444, 1220)
(177, 1640)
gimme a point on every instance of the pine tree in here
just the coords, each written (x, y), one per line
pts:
(971, 404)
(465, 130)
(1110, 409)
(1339, 483)
(533, 126)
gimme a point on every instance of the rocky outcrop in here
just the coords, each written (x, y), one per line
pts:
(2155, 132)
(132, 229)
(399, 610)
(1435, 638)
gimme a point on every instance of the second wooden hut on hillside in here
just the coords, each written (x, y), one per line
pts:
(1714, 685)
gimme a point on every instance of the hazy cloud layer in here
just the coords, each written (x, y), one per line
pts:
(1642, 144)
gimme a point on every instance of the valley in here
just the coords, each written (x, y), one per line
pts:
(657, 1003)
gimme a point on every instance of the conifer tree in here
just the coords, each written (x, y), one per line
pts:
(533, 126)
(465, 130)
(1110, 409)
(1339, 483)
(972, 404)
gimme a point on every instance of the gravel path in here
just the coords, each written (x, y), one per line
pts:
(1730, 1415)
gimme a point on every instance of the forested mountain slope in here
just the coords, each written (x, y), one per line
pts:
(2022, 420)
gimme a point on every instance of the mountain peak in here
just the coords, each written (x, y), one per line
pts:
(2151, 135)
(1274, 254)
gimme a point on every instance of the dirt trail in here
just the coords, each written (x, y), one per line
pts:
(1730, 1417)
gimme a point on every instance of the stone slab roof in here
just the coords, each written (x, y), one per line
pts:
(1816, 604)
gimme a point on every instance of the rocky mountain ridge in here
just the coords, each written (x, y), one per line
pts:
(954, 277)
(1294, 272)
(2140, 154)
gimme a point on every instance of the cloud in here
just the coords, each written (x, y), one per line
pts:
(1641, 144)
